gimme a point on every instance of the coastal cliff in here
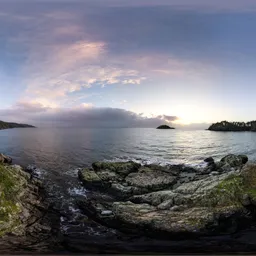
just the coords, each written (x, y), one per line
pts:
(8, 125)
(233, 126)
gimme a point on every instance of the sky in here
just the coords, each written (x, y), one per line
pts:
(127, 63)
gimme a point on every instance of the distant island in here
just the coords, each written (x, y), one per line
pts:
(164, 127)
(7, 125)
(226, 126)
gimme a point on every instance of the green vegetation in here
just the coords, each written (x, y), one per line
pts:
(10, 188)
(233, 191)
(233, 126)
(164, 127)
(6, 125)
(228, 193)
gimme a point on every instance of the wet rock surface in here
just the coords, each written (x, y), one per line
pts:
(27, 222)
(175, 203)
(138, 208)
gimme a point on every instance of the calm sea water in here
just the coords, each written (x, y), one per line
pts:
(63, 149)
(58, 153)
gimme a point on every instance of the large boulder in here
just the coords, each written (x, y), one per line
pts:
(152, 180)
(234, 160)
(125, 179)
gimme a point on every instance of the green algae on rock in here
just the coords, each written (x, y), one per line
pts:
(25, 217)
(160, 202)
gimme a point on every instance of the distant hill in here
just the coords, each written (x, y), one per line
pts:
(226, 126)
(164, 127)
(7, 125)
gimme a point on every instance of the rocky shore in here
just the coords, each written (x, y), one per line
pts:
(138, 208)
(225, 126)
(172, 202)
(27, 222)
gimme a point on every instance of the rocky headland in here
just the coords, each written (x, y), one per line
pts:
(8, 125)
(174, 202)
(27, 222)
(225, 126)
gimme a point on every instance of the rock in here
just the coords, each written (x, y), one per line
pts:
(5, 159)
(243, 158)
(209, 160)
(245, 200)
(211, 167)
(150, 179)
(214, 173)
(235, 161)
(121, 168)
(158, 203)
(26, 218)
(188, 169)
(121, 190)
(166, 205)
(89, 178)
(124, 179)
(176, 208)
(154, 198)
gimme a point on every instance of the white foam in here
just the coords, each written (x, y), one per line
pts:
(73, 172)
(38, 172)
(144, 161)
(77, 191)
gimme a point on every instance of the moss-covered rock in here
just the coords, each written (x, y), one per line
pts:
(124, 179)
(11, 187)
(24, 215)
(207, 204)
(89, 177)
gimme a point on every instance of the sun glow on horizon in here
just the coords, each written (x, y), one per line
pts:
(189, 114)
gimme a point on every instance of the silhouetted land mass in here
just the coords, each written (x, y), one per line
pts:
(233, 126)
(164, 127)
(7, 125)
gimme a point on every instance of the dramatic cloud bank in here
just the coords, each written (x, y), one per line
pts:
(81, 116)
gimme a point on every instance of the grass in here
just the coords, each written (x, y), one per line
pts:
(9, 206)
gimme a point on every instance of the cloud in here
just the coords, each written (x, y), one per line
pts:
(217, 5)
(67, 49)
(84, 115)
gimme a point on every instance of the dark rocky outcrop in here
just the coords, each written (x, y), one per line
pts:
(27, 221)
(5, 159)
(169, 202)
(225, 126)
(8, 125)
(164, 127)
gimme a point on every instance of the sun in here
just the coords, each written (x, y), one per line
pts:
(190, 114)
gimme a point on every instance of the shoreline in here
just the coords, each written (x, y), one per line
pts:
(146, 193)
